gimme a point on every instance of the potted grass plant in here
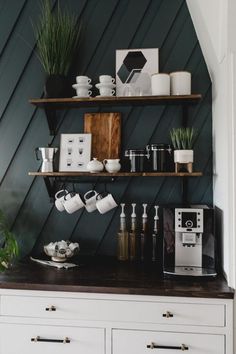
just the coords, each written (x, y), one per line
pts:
(8, 244)
(182, 140)
(57, 35)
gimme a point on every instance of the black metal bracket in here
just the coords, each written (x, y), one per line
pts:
(52, 119)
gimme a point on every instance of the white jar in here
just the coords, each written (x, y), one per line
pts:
(180, 83)
(160, 84)
(94, 166)
(112, 165)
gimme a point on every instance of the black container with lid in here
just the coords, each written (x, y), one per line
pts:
(138, 160)
(161, 157)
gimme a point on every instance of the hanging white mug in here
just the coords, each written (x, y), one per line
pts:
(91, 198)
(60, 198)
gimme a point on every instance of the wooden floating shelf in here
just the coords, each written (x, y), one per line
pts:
(118, 174)
(62, 103)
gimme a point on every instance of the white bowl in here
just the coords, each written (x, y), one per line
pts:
(62, 250)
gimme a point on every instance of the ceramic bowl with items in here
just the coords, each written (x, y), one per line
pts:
(62, 250)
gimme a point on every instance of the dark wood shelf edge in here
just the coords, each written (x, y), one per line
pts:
(118, 174)
(61, 103)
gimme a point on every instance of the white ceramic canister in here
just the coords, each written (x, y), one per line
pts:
(180, 83)
(95, 166)
(160, 84)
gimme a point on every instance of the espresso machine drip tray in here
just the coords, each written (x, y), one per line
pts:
(190, 271)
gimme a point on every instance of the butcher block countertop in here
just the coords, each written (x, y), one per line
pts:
(110, 277)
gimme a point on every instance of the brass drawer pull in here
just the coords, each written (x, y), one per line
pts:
(51, 308)
(168, 314)
(182, 347)
(38, 339)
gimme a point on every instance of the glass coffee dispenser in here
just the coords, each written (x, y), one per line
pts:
(189, 241)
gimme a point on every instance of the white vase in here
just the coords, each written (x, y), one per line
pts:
(95, 166)
(183, 156)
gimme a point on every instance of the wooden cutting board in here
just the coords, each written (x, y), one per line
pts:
(106, 134)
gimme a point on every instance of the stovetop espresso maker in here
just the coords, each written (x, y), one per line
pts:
(189, 241)
(47, 155)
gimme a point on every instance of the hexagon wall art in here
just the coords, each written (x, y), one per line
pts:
(134, 68)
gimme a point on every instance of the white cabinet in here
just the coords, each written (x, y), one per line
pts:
(43, 322)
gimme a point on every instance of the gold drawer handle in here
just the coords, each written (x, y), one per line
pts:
(168, 314)
(51, 308)
(39, 339)
(153, 345)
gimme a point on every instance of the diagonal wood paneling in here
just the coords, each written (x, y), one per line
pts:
(107, 25)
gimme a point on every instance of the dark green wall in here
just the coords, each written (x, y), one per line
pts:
(107, 25)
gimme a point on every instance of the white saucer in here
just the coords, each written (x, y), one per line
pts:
(81, 96)
(88, 86)
(110, 85)
(102, 96)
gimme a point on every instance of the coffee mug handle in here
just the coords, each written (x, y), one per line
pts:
(92, 190)
(112, 92)
(89, 80)
(62, 190)
(89, 92)
(113, 80)
(37, 153)
(104, 162)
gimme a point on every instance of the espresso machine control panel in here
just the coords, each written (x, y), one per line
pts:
(189, 220)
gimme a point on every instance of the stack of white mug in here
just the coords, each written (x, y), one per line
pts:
(106, 85)
(82, 87)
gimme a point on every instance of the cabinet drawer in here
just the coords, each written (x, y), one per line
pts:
(137, 342)
(114, 310)
(19, 339)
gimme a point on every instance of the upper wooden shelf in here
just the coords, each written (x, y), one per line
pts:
(118, 174)
(62, 103)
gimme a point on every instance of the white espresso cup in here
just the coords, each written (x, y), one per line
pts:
(85, 80)
(106, 79)
(74, 203)
(106, 204)
(106, 91)
(60, 198)
(180, 83)
(83, 92)
(160, 84)
(91, 198)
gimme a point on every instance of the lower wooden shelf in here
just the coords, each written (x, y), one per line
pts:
(118, 174)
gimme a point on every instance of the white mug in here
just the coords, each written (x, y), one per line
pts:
(60, 198)
(83, 92)
(160, 84)
(74, 203)
(106, 79)
(106, 204)
(106, 91)
(83, 80)
(91, 198)
(180, 83)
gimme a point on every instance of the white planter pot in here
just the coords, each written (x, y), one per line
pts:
(183, 156)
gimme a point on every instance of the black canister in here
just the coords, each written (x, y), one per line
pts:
(138, 160)
(161, 157)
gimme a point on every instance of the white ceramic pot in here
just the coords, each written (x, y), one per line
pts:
(95, 166)
(180, 83)
(112, 165)
(161, 84)
(183, 156)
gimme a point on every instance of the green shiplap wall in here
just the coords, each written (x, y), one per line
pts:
(107, 26)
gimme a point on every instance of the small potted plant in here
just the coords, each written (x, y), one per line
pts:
(57, 35)
(182, 140)
(8, 244)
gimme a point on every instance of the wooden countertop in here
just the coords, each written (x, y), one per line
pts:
(111, 277)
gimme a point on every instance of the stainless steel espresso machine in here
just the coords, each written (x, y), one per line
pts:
(189, 241)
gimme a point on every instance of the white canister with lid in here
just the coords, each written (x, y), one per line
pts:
(161, 84)
(180, 83)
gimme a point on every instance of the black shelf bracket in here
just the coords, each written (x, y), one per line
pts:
(51, 115)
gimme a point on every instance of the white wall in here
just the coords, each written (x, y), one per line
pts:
(215, 24)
